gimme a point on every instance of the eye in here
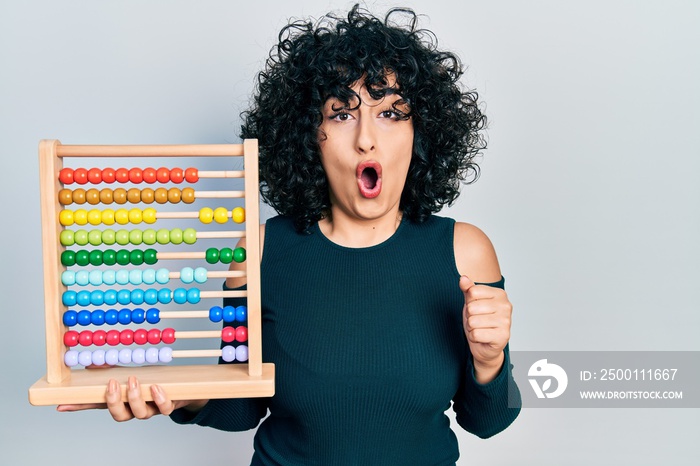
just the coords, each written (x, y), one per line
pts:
(341, 116)
(392, 114)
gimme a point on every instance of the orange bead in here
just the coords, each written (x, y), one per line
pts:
(136, 175)
(191, 175)
(149, 175)
(94, 176)
(106, 196)
(65, 197)
(188, 195)
(119, 196)
(92, 196)
(121, 175)
(174, 195)
(163, 175)
(133, 195)
(161, 195)
(147, 195)
(177, 175)
(79, 196)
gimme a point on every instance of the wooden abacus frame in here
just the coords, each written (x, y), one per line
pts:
(62, 385)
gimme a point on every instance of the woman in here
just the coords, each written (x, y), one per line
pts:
(377, 313)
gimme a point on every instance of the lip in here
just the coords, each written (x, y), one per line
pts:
(369, 186)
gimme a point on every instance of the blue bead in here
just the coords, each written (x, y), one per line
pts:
(82, 278)
(164, 296)
(180, 295)
(149, 276)
(193, 295)
(109, 277)
(137, 296)
(187, 275)
(70, 318)
(135, 277)
(68, 278)
(229, 313)
(200, 275)
(95, 277)
(241, 313)
(138, 316)
(97, 298)
(69, 298)
(97, 317)
(123, 277)
(111, 317)
(153, 316)
(84, 318)
(162, 276)
(150, 296)
(110, 297)
(83, 298)
(125, 316)
(124, 297)
(216, 314)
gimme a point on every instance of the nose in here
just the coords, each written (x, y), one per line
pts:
(366, 137)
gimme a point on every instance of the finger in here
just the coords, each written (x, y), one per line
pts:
(465, 283)
(117, 408)
(165, 406)
(139, 408)
(487, 321)
(488, 336)
(80, 407)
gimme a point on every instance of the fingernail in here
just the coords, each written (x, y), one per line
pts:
(112, 386)
(157, 393)
(133, 383)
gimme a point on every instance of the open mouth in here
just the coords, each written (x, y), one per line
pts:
(369, 178)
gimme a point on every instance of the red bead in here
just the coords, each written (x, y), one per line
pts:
(149, 175)
(113, 337)
(141, 336)
(228, 334)
(241, 334)
(122, 175)
(191, 175)
(85, 338)
(154, 336)
(65, 176)
(94, 176)
(168, 336)
(163, 175)
(108, 175)
(126, 337)
(136, 175)
(99, 337)
(80, 175)
(70, 338)
(177, 175)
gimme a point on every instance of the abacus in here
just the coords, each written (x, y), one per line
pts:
(89, 247)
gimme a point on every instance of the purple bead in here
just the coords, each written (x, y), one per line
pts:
(165, 354)
(242, 353)
(71, 358)
(85, 358)
(228, 353)
(138, 356)
(98, 357)
(125, 356)
(152, 355)
(112, 357)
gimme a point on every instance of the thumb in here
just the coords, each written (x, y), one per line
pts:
(465, 283)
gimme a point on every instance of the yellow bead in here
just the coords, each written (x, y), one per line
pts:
(149, 215)
(238, 215)
(220, 215)
(65, 218)
(94, 217)
(206, 215)
(121, 216)
(135, 216)
(80, 217)
(108, 217)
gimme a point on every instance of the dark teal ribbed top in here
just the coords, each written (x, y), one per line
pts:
(369, 353)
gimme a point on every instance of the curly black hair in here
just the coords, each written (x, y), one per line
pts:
(315, 60)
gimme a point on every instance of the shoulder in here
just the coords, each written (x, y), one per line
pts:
(475, 255)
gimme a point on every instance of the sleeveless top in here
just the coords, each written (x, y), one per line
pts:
(369, 353)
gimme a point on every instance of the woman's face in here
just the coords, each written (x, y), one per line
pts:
(366, 151)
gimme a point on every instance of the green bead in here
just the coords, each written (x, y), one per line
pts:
(109, 237)
(239, 255)
(149, 236)
(67, 238)
(163, 236)
(189, 236)
(68, 258)
(95, 237)
(136, 237)
(136, 257)
(82, 258)
(81, 237)
(122, 237)
(176, 236)
(150, 256)
(226, 255)
(123, 257)
(109, 257)
(96, 257)
(212, 255)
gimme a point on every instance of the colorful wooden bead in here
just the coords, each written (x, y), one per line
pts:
(79, 196)
(98, 357)
(161, 195)
(136, 175)
(135, 216)
(94, 217)
(174, 195)
(165, 354)
(80, 217)
(211, 255)
(163, 236)
(191, 175)
(95, 237)
(206, 215)
(136, 257)
(238, 215)
(94, 176)
(66, 238)
(153, 316)
(138, 315)
(133, 195)
(109, 236)
(109, 256)
(220, 215)
(70, 318)
(65, 176)
(177, 175)
(99, 338)
(147, 196)
(138, 356)
(239, 255)
(167, 336)
(68, 258)
(154, 336)
(136, 237)
(65, 197)
(82, 258)
(241, 313)
(150, 256)
(119, 196)
(111, 318)
(92, 196)
(187, 275)
(215, 314)
(149, 215)
(228, 353)
(141, 336)
(70, 338)
(121, 216)
(71, 358)
(189, 236)
(96, 257)
(200, 275)
(65, 218)
(162, 175)
(149, 236)
(188, 195)
(106, 196)
(112, 357)
(176, 236)
(242, 353)
(241, 334)
(226, 255)
(108, 175)
(80, 176)
(149, 175)
(228, 334)
(125, 356)
(80, 237)
(152, 355)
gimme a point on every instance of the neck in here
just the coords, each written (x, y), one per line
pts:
(359, 233)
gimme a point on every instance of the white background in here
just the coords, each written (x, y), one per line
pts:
(589, 190)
